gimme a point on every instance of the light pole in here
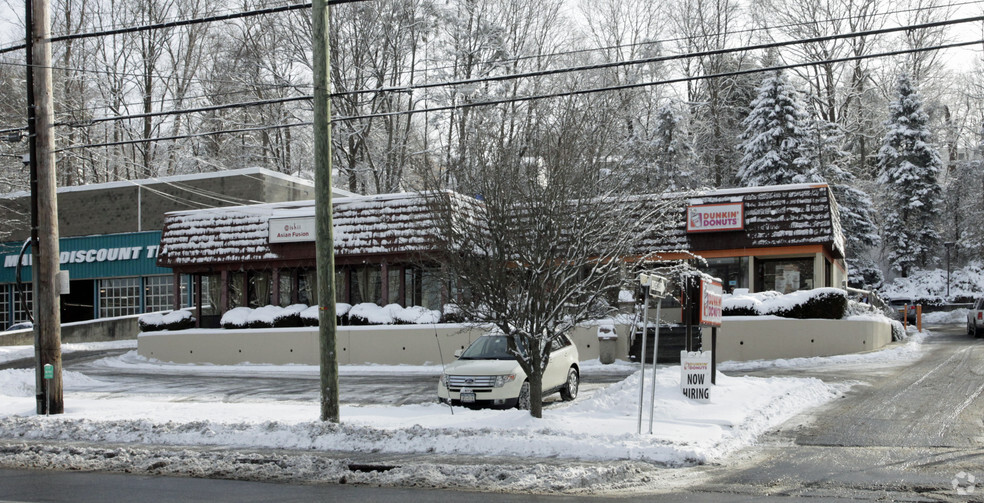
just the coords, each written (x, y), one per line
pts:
(949, 246)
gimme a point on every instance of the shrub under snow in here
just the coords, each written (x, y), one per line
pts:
(827, 303)
(174, 320)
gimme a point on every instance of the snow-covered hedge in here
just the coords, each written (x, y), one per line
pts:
(174, 320)
(301, 315)
(826, 303)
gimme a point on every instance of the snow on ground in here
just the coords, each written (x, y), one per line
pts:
(587, 444)
(12, 353)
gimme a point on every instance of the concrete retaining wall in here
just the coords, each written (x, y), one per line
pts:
(739, 339)
(386, 345)
(101, 330)
(754, 338)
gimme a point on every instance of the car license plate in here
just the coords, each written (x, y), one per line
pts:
(467, 395)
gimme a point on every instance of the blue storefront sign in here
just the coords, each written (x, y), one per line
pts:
(91, 257)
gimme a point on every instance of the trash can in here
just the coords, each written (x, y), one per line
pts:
(607, 343)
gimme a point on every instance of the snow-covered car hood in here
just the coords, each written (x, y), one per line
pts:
(483, 367)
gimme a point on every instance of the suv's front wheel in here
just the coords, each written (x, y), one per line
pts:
(569, 391)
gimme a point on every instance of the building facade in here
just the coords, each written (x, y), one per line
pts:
(781, 238)
(110, 236)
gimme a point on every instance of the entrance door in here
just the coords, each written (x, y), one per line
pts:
(79, 303)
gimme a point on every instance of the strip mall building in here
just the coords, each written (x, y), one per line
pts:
(782, 238)
(110, 236)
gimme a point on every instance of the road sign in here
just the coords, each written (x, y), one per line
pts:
(49, 371)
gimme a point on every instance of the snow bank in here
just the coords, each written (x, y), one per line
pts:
(929, 286)
(600, 427)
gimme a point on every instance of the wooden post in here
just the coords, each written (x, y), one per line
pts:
(324, 239)
(45, 256)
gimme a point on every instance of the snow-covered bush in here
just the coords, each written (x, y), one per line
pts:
(368, 313)
(236, 318)
(298, 315)
(174, 320)
(826, 303)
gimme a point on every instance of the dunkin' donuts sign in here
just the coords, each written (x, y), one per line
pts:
(716, 217)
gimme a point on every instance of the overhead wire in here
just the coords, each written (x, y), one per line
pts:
(544, 96)
(542, 73)
(549, 55)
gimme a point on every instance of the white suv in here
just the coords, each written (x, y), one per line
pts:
(975, 319)
(486, 375)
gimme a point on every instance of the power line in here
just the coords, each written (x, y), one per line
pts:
(505, 77)
(580, 92)
(542, 73)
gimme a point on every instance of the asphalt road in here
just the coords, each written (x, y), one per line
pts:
(908, 433)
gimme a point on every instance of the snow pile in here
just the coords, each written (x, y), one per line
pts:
(929, 286)
(945, 317)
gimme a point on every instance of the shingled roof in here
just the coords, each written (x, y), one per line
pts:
(776, 216)
(364, 225)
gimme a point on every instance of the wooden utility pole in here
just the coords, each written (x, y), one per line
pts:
(44, 256)
(324, 238)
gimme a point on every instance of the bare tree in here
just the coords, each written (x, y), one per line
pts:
(547, 246)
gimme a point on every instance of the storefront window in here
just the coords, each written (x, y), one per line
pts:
(258, 285)
(158, 294)
(733, 271)
(784, 275)
(5, 306)
(119, 297)
(236, 293)
(393, 281)
(23, 300)
(307, 287)
(211, 295)
(431, 289)
(367, 284)
(286, 287)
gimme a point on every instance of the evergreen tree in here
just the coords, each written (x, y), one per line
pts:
(823, 159)
(908, 171)
(664, 159)
(772, 136)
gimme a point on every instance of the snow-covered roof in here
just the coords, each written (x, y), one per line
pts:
(181, 178)
(363, 225)
(775, 216)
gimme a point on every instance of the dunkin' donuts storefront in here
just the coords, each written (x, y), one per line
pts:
(110, 275)
(783, 238)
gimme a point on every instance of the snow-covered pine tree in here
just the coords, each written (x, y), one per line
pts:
(773, 132)
(823, 159)
(672, 156)
(908, 171)
(663, 158)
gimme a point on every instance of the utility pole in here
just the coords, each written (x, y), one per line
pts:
(324, 236)
(44, 256)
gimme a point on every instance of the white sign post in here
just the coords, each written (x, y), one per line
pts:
(695, 375)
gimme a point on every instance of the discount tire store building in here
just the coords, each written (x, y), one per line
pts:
(782, 238)
(110, 236)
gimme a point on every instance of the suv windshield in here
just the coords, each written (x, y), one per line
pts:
(488, 347)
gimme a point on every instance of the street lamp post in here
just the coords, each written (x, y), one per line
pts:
(949, 246)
